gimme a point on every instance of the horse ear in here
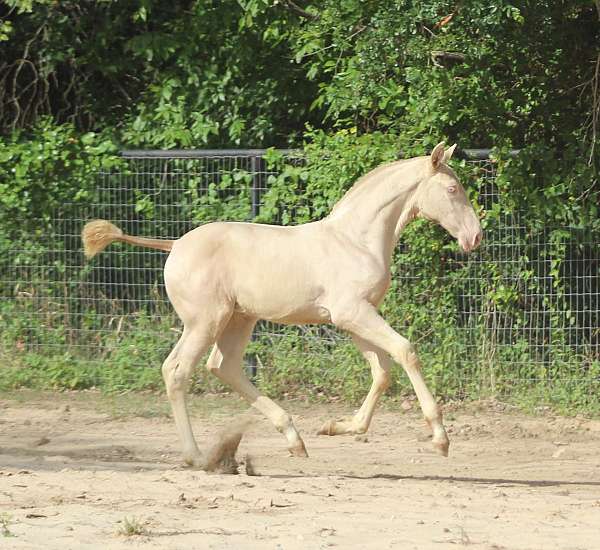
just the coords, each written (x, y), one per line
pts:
(448, 153)
(437, 155)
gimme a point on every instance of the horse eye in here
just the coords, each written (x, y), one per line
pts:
(451, 189)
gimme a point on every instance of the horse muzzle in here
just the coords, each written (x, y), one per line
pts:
(471, 240)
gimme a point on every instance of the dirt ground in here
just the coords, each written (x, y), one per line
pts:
(82, 471)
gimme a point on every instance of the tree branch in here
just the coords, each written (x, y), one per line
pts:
(292, 6)
(438, 57)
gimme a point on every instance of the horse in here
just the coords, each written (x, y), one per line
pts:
(222, 277)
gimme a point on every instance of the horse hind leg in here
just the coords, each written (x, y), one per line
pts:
(225, 362)
(197, 337)
(176, 371)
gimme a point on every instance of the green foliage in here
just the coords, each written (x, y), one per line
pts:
(217, 74)
(429, 68)
(353, 83)
(160, 74)
(49, 167)
(306, 191)
(488, 75)
(37, 350)
(256, 72)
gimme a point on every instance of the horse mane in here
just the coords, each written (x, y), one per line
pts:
(364, 181)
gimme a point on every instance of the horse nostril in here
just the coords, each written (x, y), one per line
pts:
(477, 239)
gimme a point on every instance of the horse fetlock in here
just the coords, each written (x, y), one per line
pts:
(358, 424)
(360, 429)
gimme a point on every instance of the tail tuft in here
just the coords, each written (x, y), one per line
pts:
(97, 235)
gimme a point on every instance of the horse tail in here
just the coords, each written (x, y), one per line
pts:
(98, 234)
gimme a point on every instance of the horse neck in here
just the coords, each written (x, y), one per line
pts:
(374, 212)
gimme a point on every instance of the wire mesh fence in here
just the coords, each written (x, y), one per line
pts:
(524, 308)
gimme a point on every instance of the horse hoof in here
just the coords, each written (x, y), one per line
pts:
(441, 447)
(328, 428)
(298, 450)
(194, 462)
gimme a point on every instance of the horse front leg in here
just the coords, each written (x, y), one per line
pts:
(363, 320)
(380, 364)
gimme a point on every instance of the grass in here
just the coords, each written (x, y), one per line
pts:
(332, 378)
(559, 397)
(5, 521)
(131, 527)
(458, 365)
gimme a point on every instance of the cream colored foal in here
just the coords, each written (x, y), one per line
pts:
(223, 277)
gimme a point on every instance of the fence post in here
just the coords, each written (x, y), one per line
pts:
(255, 167)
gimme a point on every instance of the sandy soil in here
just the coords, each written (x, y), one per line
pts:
(78, 470)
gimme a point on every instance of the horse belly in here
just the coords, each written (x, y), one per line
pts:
(281, 292)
